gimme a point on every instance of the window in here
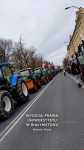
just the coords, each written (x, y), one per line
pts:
(37, 71)
(1, 75)
(25, 73)
(7, 72)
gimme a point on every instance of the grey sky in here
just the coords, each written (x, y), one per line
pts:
(42, 23)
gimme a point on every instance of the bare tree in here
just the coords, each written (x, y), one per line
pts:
(26, 57)
(5, 46)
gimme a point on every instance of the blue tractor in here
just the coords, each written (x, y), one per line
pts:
(12, 89)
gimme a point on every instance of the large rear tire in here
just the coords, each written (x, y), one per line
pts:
(45, 81)
(6, 105)
(22, 91)
(39, 84)
(35, 87)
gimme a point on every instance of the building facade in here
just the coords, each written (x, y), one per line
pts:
(2, 56)
(78, 34)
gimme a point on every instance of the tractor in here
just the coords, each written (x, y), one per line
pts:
(42, 74)
(31, 80)
(13, 89)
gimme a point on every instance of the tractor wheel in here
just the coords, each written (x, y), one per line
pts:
(39, 84)
(22, 91)
(35, 88)
(7, 105)
(45, 81)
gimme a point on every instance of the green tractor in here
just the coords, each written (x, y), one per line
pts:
(13, 89)
(42, 74)
(31, 80)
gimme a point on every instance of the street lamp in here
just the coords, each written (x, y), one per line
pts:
(72, 7)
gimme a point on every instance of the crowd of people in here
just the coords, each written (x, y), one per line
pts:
(75, 63)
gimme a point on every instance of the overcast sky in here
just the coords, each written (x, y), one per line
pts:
(43, 24)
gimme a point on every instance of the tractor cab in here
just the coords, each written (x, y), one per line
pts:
(41, 74)
(8, 75)
(38, 72)
(30, 78)
(26, 73)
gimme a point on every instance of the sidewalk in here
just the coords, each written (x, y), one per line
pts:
(76, 79)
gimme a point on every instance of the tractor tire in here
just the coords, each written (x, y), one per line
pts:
(39, 84)
(35, 86)
(22, 91)
(45, 81)
(48, 79)
(6, 105)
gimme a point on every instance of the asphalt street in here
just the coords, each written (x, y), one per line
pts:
(62, 97)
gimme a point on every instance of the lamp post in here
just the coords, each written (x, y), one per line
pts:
(72, 7)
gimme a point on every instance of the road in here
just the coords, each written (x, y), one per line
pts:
(62, 97)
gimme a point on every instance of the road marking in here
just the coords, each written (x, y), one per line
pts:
(8, 129)
(73, 78)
